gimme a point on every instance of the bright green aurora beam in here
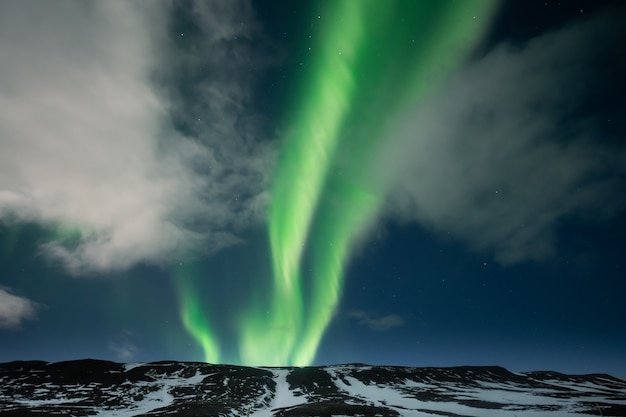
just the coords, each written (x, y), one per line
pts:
(354, 192)
(303, 167)
(191, 312)
(372, 60)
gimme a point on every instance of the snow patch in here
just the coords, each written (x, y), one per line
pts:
(284, 397)
(129, 366)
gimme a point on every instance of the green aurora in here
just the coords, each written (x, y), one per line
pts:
(370, 60)
(191, 312)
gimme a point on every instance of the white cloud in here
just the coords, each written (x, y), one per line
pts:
(15, 309)
(87, 143)
(377, 323)
(515, 143)
(123, 347)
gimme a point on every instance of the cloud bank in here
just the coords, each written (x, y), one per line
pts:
(376, 323)
(15, 309)
(88, 132)
(518, 141)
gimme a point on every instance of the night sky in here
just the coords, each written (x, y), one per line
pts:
(280, 183)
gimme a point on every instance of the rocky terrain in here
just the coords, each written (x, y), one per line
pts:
(101, 388)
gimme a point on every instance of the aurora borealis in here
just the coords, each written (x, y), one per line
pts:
(350, 63)
(276, 184)
(349, 69)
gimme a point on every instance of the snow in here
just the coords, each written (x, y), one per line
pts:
(418, 395)
(407, 406)
(129, 366)
(153, 400)
(150, 402)
(48, 401)
(196, 379)
(283, 397)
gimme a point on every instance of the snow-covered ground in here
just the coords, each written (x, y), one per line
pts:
(283, 395)
(106, 389)
(515, 400)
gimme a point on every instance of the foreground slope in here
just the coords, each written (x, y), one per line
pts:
(101, 388)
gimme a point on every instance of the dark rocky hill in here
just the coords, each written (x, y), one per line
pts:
(101, 388)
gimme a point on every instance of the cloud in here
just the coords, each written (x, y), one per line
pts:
(378, 324)
(15, 309)
(516, 142)
(124, 349)
(95, 144)
(210, 89)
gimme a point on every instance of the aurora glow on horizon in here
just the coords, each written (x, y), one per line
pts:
(279, 183)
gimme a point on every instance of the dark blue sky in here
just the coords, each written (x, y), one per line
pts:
(136, 181)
